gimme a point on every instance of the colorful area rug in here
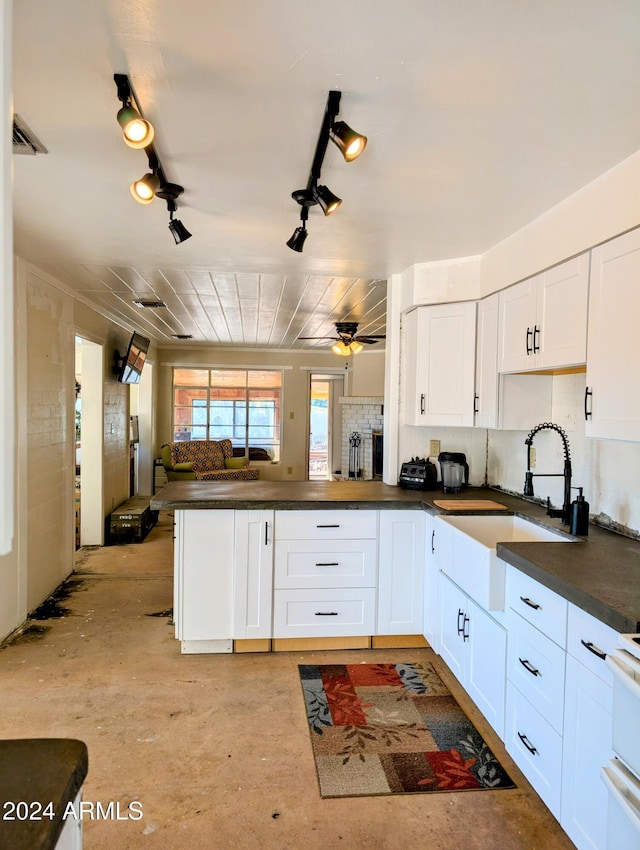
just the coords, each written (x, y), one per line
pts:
(392, 729)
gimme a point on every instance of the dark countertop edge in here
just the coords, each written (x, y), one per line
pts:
(40, 770)
(570, 591)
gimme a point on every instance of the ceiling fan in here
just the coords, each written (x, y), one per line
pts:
(347, 341)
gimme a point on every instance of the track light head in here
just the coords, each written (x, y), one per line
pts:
(144, 190)
(178, 231)
(297, 240)
(350, 143)
(327, 201)
(136, 130)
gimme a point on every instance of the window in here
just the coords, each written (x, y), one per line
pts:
(236, 404)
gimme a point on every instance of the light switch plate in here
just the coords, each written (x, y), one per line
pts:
(434, 448)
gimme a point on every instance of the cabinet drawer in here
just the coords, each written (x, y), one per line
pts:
(326, 525)
(324, 613)
(334, 563)
(588, 640)
(536, 603)
(535, 747)
(535, 665)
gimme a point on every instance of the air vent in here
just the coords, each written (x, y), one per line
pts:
(182, 336)
(155, 304)
(24, 140)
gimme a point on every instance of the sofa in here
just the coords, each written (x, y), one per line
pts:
(205, 460)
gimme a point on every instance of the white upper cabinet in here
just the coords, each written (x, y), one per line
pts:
(612, 402)
(439, 364)
(543, 320)
(486, 396)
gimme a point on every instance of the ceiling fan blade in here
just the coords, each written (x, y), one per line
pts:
(318, 337)
(369, 339)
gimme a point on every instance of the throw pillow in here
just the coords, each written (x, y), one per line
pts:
(235, 462)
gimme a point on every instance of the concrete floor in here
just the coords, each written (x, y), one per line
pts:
(216, 748)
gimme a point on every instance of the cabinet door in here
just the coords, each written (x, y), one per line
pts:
(439, 385)
(453, 627)
(587, 748)
(431, 627)
(414, 367)
(560, 331)
(204, 540)
(253, 574)
(613, 365)
(486, 665)
(401, 573)
(517, 319)
(486, 384)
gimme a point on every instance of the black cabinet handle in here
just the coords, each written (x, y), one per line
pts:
(593, 648)
(528, 341)
(465, 633)
(326, 613)
(588, 411)
(328, 564)
(433, 537)
(529, 667)
(266, 533)
(476, 399)
(530, 603)
(335, 525)
(536, 345)
(421, 404)
(460, 627)
(527, 743)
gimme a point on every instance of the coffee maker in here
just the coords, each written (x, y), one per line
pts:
(455, 471)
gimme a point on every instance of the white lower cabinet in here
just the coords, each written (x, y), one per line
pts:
(431, 606)
(473, 645)
(587, 730)
(401, 572)
(203, 581)
(325, 573)
(535, 683)
(253, 574)
(535, 746)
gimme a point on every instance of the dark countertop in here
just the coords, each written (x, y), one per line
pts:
(38, 771)
(599, 573)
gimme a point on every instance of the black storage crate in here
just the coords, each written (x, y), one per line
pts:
(132, 521)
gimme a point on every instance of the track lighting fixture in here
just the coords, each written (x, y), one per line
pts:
(177, 228)
(327, 201)
(139, 133)
(144, 189)
(350, 143)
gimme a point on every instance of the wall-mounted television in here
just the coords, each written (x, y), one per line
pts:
(129, 368)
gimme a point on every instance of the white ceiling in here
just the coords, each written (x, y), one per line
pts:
(480, 115)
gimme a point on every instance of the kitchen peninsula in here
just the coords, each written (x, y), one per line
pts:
(246, 555)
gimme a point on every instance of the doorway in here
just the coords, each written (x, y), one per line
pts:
(325, 426)
(89, 425)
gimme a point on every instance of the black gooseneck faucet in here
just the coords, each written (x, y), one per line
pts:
(565, 512)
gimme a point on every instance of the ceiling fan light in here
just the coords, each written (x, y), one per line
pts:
(144, 189)
(356, 347)
(297, 240)
(341, 348)
(136, 130)
(350, 143)
(327, 201)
